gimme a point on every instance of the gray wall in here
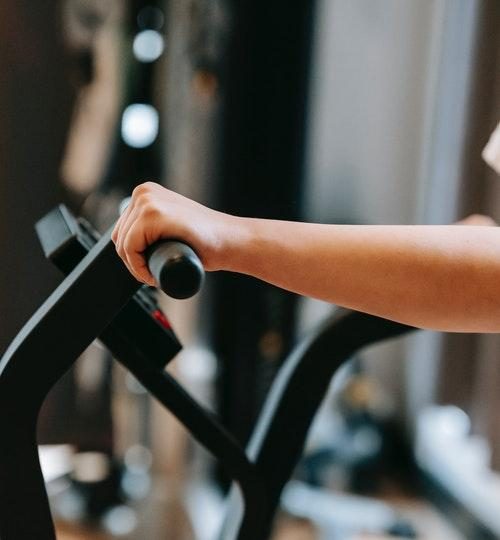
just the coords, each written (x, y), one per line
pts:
(35, 106)
(388, 101)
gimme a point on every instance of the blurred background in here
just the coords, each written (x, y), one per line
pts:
(335, 111)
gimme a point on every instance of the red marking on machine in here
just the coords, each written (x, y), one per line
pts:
(159, 316)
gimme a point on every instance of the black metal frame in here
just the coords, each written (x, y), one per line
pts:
(82, 308)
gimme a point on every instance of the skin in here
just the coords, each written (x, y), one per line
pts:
(438, 277)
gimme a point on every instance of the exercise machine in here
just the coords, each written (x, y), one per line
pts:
(99, 298)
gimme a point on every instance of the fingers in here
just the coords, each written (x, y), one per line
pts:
(130, 238)
(147, 218)
(118, 234)
(115, 235)
(135, 244)
(128, 221)
(134, 199)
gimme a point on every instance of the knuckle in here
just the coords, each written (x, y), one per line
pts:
(119, 246)
(149, 210)
(128, 245)
(144, 200)
(144, 188)
(140, 191)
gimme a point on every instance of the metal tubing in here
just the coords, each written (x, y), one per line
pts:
(296, 394)
(40, 354)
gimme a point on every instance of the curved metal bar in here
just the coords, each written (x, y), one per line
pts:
(200, 422)
(296, 394)
(80, 309)
(205, 428)
(40, 354)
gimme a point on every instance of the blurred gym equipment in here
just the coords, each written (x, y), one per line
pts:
(97, 300)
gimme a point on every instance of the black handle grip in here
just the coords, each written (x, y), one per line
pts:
(176, 268)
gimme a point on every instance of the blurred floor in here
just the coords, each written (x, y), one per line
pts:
(288, 529)
(172, 523)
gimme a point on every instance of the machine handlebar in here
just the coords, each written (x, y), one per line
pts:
(176, 268)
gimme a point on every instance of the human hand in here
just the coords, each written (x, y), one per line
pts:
(155, 213)
(479, 220)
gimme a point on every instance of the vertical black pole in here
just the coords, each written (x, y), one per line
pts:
(261, 164)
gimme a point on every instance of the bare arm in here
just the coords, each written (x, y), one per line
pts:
(440, 277)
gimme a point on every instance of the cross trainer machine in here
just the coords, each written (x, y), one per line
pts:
(99, 298)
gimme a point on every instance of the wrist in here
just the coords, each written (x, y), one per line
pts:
(235, 248)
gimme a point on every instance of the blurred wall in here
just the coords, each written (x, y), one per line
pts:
(368, 97)
(387, 133)
(35, 102)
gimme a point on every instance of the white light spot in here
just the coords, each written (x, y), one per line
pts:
(90, 466)
(138, 458)
(148, 45)
(71, 506)
(140, 125)
(135, 485)
(120, 520)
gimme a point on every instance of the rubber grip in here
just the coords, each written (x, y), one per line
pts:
(176, 268)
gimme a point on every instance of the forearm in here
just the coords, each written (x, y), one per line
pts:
(436, 277)
(445, 278)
